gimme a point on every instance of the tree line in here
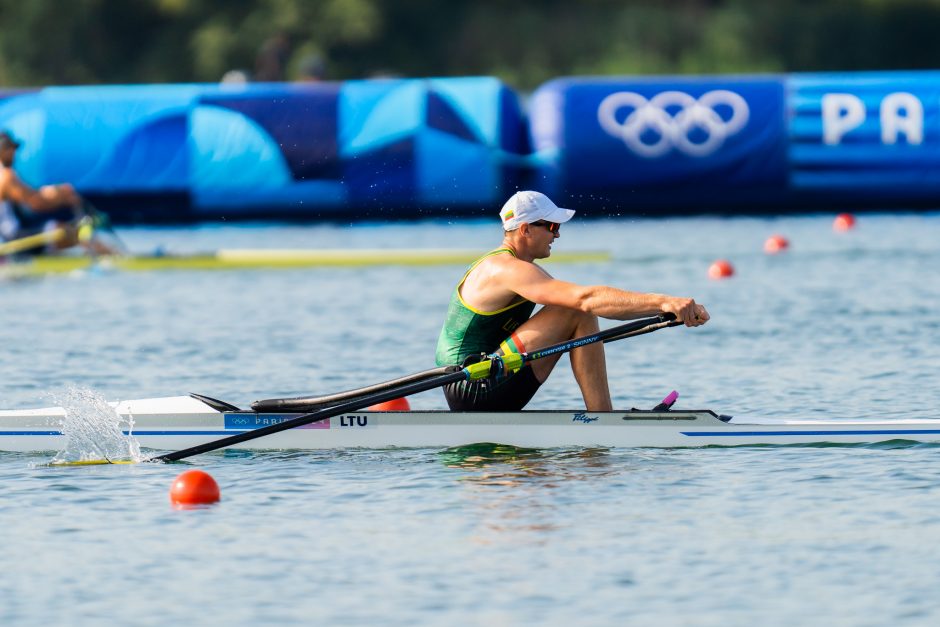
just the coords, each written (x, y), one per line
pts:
(524, 42)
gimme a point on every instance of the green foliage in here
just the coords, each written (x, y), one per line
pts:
(525, 42)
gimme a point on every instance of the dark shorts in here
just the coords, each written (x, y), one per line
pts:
(38, 221)
(510, 393)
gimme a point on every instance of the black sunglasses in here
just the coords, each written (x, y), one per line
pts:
(554, 227)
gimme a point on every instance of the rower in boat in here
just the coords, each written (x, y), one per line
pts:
(350, 419)
(47, 219)
(491, 306)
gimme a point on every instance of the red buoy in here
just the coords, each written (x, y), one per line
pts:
(396, 404)
(776, 244)
(721, 269)
(844, 222)
(194, 487)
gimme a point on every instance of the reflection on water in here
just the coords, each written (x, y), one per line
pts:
(501, 464)
(483, 454)
(514, 492)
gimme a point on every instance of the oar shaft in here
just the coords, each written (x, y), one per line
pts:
(607, 335)
(643, 331)
(322, 414)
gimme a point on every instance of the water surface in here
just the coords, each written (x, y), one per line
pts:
(843, 325)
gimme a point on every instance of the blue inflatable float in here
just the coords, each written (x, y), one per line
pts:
(384, 148)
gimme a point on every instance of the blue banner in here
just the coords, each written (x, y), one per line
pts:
(680, 142)
(872, 136)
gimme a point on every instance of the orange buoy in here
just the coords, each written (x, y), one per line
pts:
(844, 222)
(776, 244)
(396, 404)
(194, 487)
(721, 269)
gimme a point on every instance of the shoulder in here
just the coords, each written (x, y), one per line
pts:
(510, 268)
(8, 176)
(502, 258)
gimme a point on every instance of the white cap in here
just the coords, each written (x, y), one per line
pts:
(528, 207)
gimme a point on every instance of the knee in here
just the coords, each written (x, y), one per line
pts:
(588, 322)
(577, 322)
(582, 321)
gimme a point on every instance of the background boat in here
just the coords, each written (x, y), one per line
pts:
(269, 259)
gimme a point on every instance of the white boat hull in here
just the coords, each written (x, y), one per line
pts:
(175, 423)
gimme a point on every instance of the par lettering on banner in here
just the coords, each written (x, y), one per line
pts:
(865, 139)
(901, 115)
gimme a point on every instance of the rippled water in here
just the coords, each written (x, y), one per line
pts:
(841, 326)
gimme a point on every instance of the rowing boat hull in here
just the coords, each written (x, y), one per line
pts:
(181, 422)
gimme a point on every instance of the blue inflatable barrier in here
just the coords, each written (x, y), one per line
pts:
(386, 148)
(436, 145)
(268, 149)
(458, 146)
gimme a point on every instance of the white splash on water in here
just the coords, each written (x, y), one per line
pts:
(94, 429)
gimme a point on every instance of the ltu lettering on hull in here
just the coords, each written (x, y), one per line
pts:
(353, 421)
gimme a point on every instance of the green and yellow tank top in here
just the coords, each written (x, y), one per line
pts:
(469, 331)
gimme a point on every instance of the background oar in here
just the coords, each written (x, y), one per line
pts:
(479, 370)
(32, 241)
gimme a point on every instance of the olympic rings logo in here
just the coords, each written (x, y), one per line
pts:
(671, 128)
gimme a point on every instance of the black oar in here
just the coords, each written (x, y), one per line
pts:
(479, 370)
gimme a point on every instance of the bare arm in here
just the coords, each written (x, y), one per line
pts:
(46, 198)
(536, 285)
